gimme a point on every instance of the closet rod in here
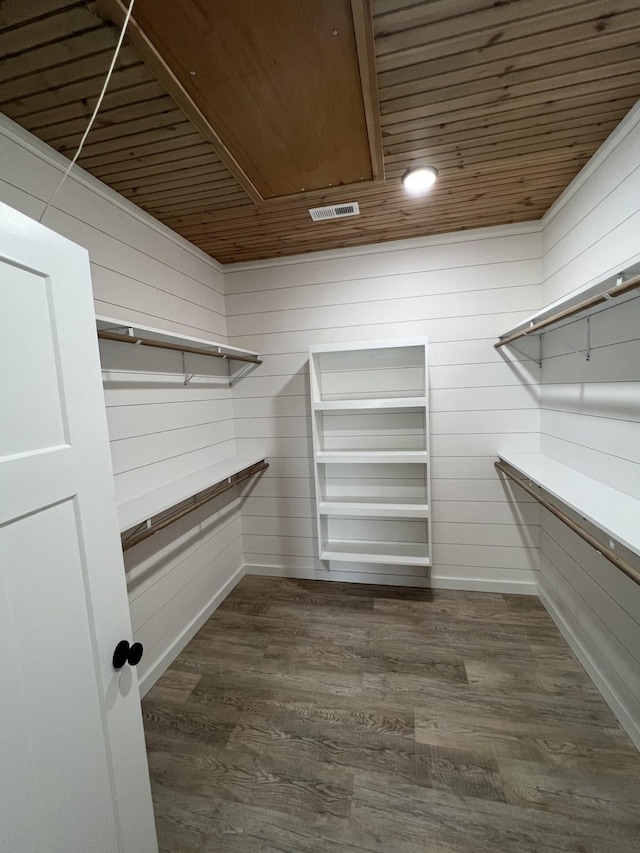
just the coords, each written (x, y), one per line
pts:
(617, 290)
(148, 342)
(219, 489)
(607, 553)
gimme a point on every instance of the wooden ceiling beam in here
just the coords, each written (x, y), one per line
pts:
(365, 46)
(115, 11)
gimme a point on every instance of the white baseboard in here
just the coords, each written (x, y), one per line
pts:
(188, 633)
(469, 583)
(579, 642)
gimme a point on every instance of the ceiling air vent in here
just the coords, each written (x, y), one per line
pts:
(334, 211)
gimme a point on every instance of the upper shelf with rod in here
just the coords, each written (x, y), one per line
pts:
(123, 331)
(579, 305)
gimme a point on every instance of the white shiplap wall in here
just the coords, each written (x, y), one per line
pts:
(590, 416)
(159, 429)
(460, 291)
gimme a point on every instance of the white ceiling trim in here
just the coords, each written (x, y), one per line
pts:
(428, 241)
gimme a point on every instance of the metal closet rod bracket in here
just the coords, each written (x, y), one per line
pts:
(119, 330)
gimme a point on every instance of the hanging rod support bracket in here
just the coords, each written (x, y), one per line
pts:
(187, 377)
(537, 361)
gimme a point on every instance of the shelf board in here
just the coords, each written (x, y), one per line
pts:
(376, 403)
(372, 456)
(370, 509)
(140, 509)
(355, 346)
(389, 553)
(161, 336)
(613, 512)
(578, 305)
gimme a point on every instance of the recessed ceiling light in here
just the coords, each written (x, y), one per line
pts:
(419, 179)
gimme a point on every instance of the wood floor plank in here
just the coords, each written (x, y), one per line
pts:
(314, 743)
(370, 656)
(308, 716)
(217, 826)
(238, 776)
(167, 726)
(256, 631)
(174, 686)
(411, 814)
(556, 678)
(581, 796)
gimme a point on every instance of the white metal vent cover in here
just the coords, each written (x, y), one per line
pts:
(334, 211)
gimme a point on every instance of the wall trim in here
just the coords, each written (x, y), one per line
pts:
(188, 633)
(615, 138)
(468, 583)
(579, 643)
(447, 238)
(37, 147)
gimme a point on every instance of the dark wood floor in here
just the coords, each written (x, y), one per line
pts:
(310, 716)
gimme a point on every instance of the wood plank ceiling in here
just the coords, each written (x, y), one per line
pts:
(507, 99)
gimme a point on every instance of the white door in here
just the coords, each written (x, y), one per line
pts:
(73, 769)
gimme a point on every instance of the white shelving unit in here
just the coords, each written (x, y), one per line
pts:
(143, 509)
(370, 421)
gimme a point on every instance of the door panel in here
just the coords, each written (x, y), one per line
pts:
(51, 639)
(31, 377)
(74, 772)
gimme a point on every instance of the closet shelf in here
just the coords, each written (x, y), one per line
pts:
(581, 304)
(125, 332)
(372, 456)
(372, 509)
(370, 424)
(141, 509)
(613, 512)
(389, 553)
(372, 403)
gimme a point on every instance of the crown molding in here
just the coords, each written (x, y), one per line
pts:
(426, 242)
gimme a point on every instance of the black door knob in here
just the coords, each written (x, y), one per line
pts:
(125, 653)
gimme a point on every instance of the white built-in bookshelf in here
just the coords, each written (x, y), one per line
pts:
(370, 422)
